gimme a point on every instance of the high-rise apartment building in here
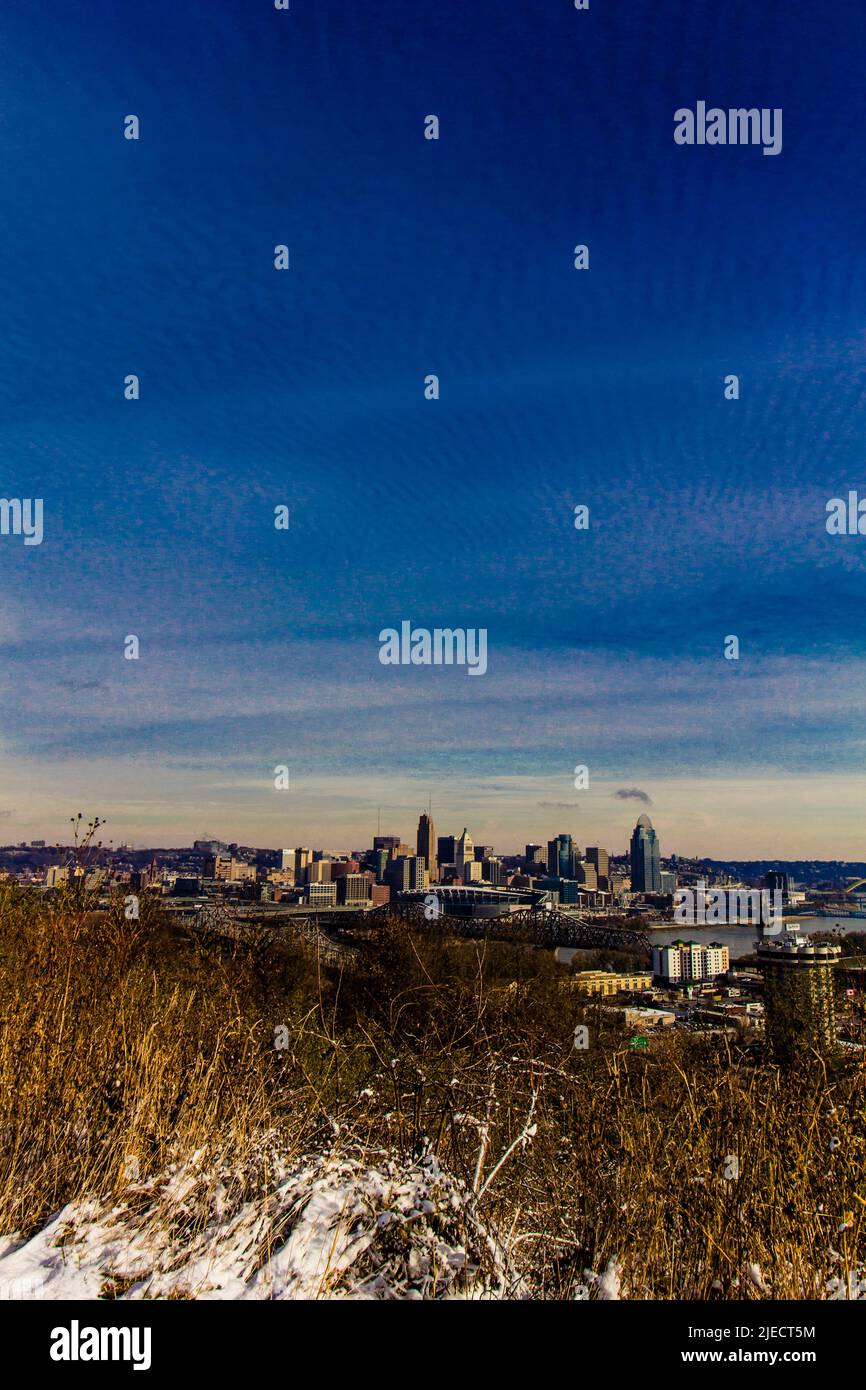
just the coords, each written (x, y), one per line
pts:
(426, 842)
(685, 961)
(799, 1002)
(645, 867)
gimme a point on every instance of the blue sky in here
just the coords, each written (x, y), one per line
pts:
(558, 387)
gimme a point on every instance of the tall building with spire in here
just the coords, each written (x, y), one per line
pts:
(426, 844)
(645, 866)
(464, 851)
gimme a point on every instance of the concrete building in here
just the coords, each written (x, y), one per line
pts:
(353, 890)
(683, 962)
(321, 894)
(799, 995)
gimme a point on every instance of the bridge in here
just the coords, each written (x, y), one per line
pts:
(333, 931)
(537, 927)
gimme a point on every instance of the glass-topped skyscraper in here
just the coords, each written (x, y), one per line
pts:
(560, 857)
(645, 868)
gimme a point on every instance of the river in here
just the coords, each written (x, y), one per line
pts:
(740, 941)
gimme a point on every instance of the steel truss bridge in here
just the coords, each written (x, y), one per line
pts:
(537, 927)
(333, 931)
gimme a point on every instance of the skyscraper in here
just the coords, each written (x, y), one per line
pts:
(645, 868)
(599, 857)
(465, 851)
(560, 857)
(446, 850)
(303, 859)
(426, 844)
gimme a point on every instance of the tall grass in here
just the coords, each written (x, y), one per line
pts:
(133, 1045)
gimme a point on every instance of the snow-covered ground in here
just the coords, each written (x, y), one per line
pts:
(326, 1227)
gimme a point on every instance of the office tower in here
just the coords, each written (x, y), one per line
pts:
(587, 875)
(535, 854)
(800, 1012)
(419, 876)
(599, 857)
(563, 890)
(285, 859)
(386, 842)
(378, 862)
(353, 890)
(668, 881)
(645, 869)
(319, 871)
(560, 857)
(472, 871)
(397, 875)
(464, 851)
(303, 859)
(446, 850)
(493, 871)
(321, 894)
(427, 845)
(483, 852)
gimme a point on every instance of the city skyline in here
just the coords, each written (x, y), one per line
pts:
(618, 844)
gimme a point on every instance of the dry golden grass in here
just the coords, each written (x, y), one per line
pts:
(134, 1042)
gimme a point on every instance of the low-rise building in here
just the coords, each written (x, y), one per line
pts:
(604, 982)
